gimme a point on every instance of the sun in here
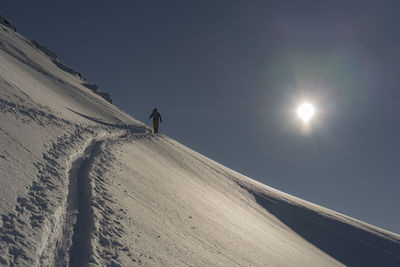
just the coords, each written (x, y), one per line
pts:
(306, 111)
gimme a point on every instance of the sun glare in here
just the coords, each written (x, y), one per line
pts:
(306, 112)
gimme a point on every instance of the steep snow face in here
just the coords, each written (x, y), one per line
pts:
(40, 102)
(179, 208)
(84, 184)
(176, 207)
(47, 117)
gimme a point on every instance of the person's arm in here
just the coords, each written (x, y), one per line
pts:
(160, 117)
(151, 115)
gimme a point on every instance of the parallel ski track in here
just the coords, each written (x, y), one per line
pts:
(80, 191)
(75, 248)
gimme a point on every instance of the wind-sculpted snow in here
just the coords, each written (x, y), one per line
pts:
(27, 115)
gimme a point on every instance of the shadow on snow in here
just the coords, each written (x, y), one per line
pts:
(346, 243)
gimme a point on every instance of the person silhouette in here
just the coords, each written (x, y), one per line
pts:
(156, 119)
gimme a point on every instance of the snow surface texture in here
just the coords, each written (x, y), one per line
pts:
(84, 184)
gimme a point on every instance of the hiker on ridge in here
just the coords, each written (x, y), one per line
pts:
(156, 117)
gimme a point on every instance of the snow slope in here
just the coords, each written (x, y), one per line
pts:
(84, 184)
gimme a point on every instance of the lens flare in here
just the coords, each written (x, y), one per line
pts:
(306, 112)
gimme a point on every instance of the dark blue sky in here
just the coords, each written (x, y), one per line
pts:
(227, 75)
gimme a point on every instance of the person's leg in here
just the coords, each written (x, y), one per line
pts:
(155, 126)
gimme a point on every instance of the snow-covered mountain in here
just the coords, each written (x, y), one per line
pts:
(85, 184)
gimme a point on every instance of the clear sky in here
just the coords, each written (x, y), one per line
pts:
(227, 76)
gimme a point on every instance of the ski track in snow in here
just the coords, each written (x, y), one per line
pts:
(73, 212)
(74, 242)
(107, 220)
(20, 229)
(68, 217)
(90, 221)
(38, 231)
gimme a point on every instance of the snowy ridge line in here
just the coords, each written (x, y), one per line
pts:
(326, 229)
(327, 226)
(254, 187)
(362, 242)
(22, 56)
(4, 21)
